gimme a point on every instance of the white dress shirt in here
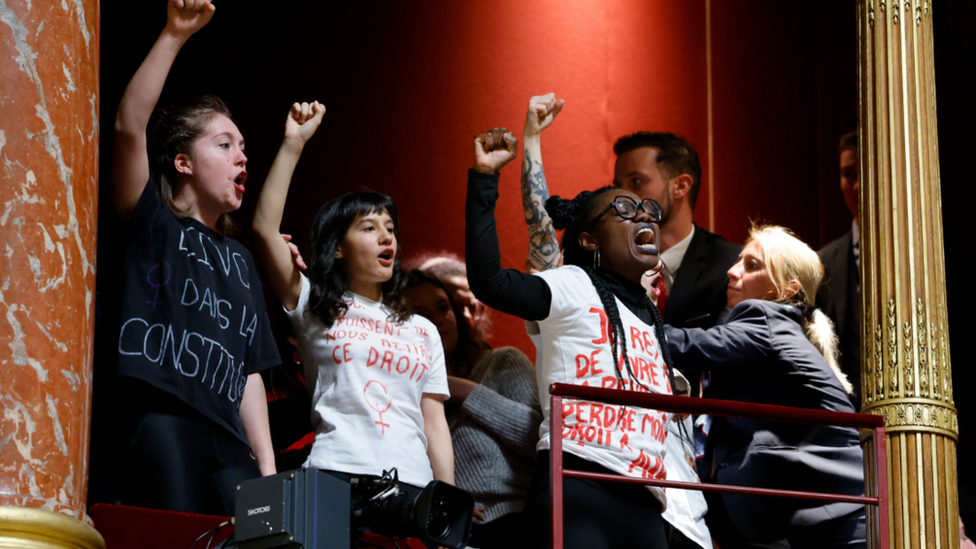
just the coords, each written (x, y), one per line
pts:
(672, 258)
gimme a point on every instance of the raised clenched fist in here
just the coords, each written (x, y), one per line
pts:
(493, 149)
(302, 121)
(542, 111)
(185, 17)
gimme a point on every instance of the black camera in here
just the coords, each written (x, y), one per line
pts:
(316, 509)
(440, 513)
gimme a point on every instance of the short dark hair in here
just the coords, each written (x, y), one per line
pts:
(675, 155)
(329, 286)
(847, 142)
(172, 131)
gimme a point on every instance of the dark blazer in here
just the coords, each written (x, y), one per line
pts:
(762, 355)
(840, 300)
(697, 297)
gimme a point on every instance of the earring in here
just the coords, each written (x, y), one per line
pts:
(596, 258)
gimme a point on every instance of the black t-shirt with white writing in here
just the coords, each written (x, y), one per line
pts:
(194, 322)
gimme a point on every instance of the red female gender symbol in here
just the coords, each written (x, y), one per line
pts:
(377, 406)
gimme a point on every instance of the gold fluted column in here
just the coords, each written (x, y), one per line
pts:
(905, 362)
(49, 61)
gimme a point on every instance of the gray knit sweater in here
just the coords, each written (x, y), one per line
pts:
(495, 431)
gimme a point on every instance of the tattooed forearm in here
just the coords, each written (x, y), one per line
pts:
(543, 247)
(532, 195)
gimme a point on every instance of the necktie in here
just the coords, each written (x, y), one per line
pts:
(660, 294)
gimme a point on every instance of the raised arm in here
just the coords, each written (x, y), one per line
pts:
(283, 274)
(130, 158)
(507, 290)
(543, 246)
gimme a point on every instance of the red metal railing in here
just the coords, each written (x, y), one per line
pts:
(727, 408)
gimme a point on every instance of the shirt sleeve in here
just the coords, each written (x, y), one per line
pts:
(437, 380)
(565, 284)
(507, 290)
(741, 342)
(148, 206)
(297, 315)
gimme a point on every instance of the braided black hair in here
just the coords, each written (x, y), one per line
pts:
(616, 334)
(662, 339)
(574, 216)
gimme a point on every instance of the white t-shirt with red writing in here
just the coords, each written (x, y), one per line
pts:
(575, 348)
(367, 375)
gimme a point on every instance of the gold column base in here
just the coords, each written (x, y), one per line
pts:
(24, 528)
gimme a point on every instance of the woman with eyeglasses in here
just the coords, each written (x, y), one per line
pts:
(776, 348)
(597, 327)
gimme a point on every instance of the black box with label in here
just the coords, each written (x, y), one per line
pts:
(271, 511)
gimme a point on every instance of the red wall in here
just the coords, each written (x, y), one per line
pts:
(408, 85)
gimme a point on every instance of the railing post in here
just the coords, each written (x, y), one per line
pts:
(556, 470)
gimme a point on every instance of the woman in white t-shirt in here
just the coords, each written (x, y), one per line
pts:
(375, 373)
(596, 327)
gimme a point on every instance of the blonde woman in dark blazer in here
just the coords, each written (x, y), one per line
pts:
(776, 348)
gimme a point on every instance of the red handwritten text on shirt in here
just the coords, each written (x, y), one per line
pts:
(586, 365)
(393, 362)
(650, 467)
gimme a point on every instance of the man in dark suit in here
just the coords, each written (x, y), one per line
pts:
(840, 295)
(665, 168)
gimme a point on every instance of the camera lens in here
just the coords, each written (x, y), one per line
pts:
(439, 520)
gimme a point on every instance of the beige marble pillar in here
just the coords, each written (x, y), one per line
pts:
(49, 60)
(906, 372)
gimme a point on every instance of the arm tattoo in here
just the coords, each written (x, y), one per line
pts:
(543, 247)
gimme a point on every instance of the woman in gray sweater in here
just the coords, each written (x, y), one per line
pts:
(493, 414)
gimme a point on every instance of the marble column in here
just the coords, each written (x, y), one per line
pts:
(49, 61)
(906, 372)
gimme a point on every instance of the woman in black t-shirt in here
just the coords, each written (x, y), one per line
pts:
(193, 332)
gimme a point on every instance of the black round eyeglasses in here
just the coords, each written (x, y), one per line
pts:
(627, 208)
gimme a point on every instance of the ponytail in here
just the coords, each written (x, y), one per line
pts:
(820, 332)
(791, 263)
